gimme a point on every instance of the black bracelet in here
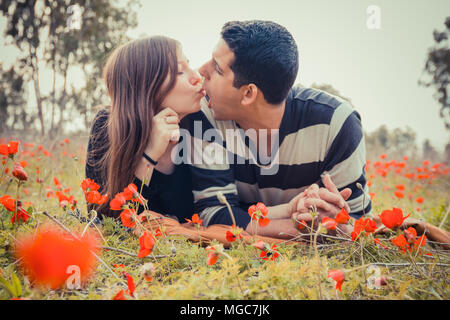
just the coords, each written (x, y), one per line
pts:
(153, 162)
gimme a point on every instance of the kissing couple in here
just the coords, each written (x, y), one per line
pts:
(159, 104)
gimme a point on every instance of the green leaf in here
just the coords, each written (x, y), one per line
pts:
(17, 285)
(8, 287)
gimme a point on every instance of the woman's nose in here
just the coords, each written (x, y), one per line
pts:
(196, 80)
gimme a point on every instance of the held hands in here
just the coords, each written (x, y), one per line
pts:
(327, 201)
(165, 130)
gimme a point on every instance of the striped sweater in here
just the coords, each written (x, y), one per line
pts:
(319, 134)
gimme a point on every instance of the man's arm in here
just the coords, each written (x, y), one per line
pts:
(346, 158)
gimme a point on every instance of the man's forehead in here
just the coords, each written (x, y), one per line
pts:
(222, 54)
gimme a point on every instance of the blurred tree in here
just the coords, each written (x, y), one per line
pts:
(12, 101)
(429, 152)
(330, 89)
(437, 67)
(397, 143)
(447, 154)
(59, 36)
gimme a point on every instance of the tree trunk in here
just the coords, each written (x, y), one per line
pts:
(37, 91)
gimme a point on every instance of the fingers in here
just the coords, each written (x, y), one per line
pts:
(166, 112)
(321, 204)
(172, 119)
(346, 193)
(312, 191)
(334, 199)
(175, 135)
(307, 217)
(329, 184)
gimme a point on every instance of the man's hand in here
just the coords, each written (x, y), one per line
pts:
(327, 201)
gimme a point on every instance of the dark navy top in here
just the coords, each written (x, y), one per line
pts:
(168, 194)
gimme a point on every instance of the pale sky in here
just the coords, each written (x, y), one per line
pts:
(377, 69)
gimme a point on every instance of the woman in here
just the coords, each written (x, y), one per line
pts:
(152, 88)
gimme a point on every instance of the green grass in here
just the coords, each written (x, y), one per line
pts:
(296, 274)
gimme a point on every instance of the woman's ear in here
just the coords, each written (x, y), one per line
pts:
(249, 94)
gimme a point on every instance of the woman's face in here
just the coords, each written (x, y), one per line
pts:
(185, 96)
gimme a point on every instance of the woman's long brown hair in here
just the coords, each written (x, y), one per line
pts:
(134, 74)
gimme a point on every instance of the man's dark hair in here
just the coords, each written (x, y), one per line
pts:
(265, 54)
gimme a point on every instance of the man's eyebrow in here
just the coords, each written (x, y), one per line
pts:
(217, 65)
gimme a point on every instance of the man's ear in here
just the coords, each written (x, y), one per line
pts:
(249, 94)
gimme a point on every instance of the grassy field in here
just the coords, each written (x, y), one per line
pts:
(179, 268)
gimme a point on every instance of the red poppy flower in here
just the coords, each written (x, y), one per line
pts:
(95, 197)
(421, 241)
(131, 285)
(146, 242)
(230, 236)
(410, 234)
(393, 218)
(47, 255)
(119, 296)
(8, 202)
(258, 212)
(363, 224)
(195, 219)
(130, 191)
(329, 223)
(370, 225)
(19, 172)
(128, 218)
(89, 185)
(420, 200)
(13, 147)
(271, 254)
(56, 182)
(302, 225)
(213, 256)
(263, 221)
(399, 194)
(118, 202)
(400, 241)
(21, 214)
(400, 187)
(342, 217)
(65, 200)
(159, 233)
(4, 149)
(338, 276)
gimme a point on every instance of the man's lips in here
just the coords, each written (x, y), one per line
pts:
(209, 100)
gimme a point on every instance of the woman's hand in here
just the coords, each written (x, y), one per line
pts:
(165, 130)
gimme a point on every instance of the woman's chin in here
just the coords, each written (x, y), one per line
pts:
(185, 112)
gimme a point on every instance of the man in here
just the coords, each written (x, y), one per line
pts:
(290, 141)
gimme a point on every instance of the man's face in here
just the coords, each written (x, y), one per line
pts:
(218, 83)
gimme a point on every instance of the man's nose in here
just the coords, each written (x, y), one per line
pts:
(203, 71)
